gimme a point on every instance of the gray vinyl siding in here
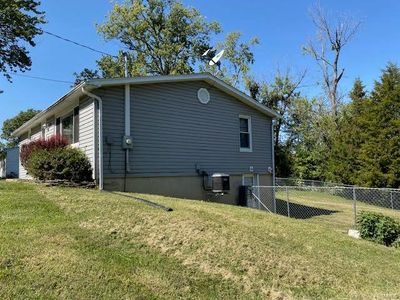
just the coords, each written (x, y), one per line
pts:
(51, 127)
(86, 129)
(172, 132)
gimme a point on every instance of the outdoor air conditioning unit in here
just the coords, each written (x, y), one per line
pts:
(220, 183)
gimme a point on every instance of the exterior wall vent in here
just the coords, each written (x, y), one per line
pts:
(203, 95)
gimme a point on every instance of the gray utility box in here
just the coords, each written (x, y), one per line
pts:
(220, 183)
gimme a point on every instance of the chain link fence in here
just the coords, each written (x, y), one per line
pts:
(334, 206)
(279, 181)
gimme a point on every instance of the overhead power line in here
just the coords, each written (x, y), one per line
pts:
(43, 78)
(78, 44)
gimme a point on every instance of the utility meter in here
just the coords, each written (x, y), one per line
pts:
(127, 142)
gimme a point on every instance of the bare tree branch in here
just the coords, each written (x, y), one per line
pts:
(332, 34)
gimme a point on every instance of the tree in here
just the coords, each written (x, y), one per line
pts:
(237, 60)
(309, 121)
(279, 95)
(379, 154)
(161, 36)
(3, 153)
(18, 26)
(12, 124)
(332, 37)
(344, 164)
(84, 75)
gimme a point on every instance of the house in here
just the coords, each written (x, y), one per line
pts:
(12, 162)
(9, 166)
(164, 135)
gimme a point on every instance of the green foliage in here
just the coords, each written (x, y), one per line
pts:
(380, 124)
(3, 152)
(396, 243)
(63, 163)
(162, 37)
(84, 75)
(237, 60)
(365, 147)
(280, 95)
(344, 164)
(378, 228)
(310, 125)
(14, 123)
(19, 22)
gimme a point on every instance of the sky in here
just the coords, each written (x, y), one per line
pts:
(283, 27)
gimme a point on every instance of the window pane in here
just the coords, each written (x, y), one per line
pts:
(244, 125)
(244, 140)
(67, 128)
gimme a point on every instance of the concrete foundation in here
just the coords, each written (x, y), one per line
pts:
(189, 187)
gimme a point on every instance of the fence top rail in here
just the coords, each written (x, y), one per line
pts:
(311, 181)
(328, 187)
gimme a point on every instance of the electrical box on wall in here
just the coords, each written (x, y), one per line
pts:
(127, 142)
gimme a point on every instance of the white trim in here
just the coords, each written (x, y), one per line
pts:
(250, 149)
(273, 152)
(100, 133)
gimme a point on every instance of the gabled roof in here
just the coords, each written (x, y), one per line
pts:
(92, 84)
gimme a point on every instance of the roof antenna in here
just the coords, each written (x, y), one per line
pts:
(214, 58)
(125, 63)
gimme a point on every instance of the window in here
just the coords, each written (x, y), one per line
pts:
(245, 134)
(67, 128)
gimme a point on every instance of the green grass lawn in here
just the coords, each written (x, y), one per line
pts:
(322, 208)
(85, 244)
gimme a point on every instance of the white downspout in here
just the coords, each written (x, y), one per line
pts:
(273, 163)
(273, 152)
(100, 137)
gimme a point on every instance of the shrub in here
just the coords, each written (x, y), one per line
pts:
(396, 243)
(60, 163)
(54, 142)
(379, 228)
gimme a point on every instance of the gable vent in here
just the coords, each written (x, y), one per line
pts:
(203, 95)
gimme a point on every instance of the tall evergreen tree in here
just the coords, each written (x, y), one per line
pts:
(380, 151)
(344, 164)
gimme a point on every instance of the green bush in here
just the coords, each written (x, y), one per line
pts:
(378, 228)
(62, 163)
(396, 243)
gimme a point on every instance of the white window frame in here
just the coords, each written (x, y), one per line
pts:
(250, 149)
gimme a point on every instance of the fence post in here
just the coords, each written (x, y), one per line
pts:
(287, 202)
(273, 191)
(354, 207)
(391, 199)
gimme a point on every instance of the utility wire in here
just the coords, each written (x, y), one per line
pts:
(78, 44)
(42, 78)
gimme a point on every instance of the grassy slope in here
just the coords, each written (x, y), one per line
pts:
(73, 243)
